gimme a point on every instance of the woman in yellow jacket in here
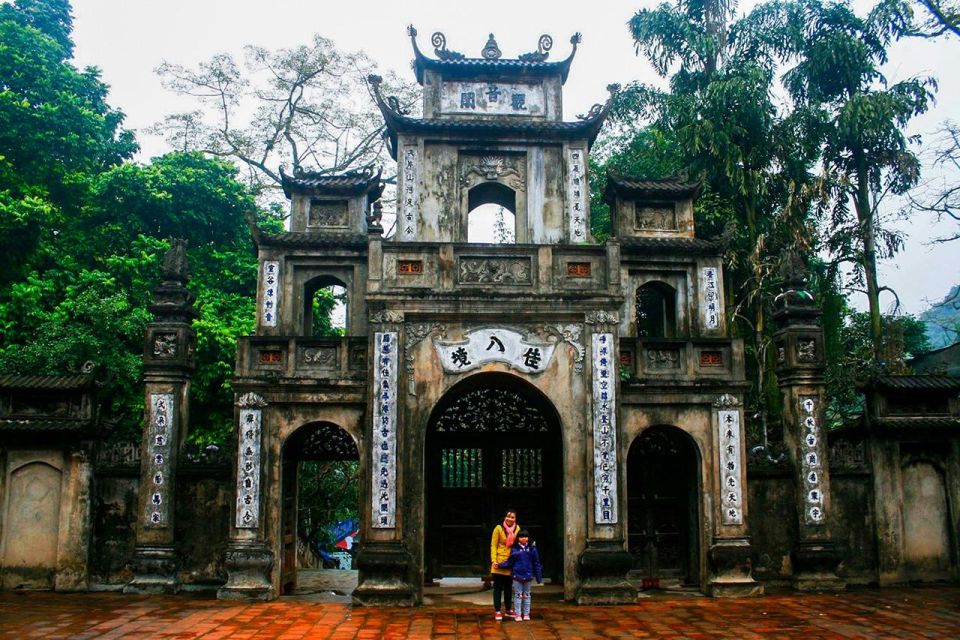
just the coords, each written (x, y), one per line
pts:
(502, 540)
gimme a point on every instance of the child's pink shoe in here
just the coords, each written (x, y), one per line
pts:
(526, 617)
(517, 618)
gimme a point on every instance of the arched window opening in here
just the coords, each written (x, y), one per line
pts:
(325, 308)
(656, 311)
(491, 217)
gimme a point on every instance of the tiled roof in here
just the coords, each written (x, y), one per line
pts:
(628, 186)
(312, 239)
(919, 382)
(633, 244)
(347, 183)
(588, 127)
(47, 383)
(45, 424)
(934, 422)
(457, 65)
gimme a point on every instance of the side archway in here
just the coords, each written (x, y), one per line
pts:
(320, 502)
(663, 519)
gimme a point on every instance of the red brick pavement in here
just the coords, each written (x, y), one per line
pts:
(891, 613)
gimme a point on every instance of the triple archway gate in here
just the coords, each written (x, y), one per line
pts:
(493, 443)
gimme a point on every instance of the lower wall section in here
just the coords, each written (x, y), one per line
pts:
(202, 526)
(773, 525)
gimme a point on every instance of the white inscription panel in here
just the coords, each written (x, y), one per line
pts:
(604, 430)
(728, 422)
(494, 344)
(385, 432)
(811, 464)
(159, 434)
(711, 298)
(271, 293)
(248, 469)
(577, 194)
(492, 98)
(409, 197)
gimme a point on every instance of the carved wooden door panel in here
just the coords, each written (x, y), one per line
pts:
(288, 567)
(661, 508)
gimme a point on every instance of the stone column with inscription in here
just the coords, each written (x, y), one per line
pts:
(800, 372)
(387, 576)
(168, 360)
(248, 558)
(604, 563)
(731, 572)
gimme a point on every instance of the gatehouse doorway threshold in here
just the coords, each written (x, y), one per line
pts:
(324, 586)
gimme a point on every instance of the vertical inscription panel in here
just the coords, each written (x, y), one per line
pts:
(159, 435)
(271, 293)
(604, 430)
(728, 423)
(248, 469)
(384, 451)
(711, 297)
(409, 202)
(576, 195)
(811, 462)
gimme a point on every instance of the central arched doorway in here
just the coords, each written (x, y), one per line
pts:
(493, 443)
(320, 513)
(663, 507)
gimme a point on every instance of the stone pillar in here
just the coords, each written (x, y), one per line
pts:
(168, 360)
(74, 546)
(731, 572)
(800, 369)
(248, 558)
(387, 576)
(604, 563)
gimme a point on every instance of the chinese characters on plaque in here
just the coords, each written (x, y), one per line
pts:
(711, 298)
(271, 293)
(159, 435)
(494, 344)
(492, 98)
(385, 431)
(728, 423)
(604, 429)
(408, 209)
(576, 194)
(248, 469)
(811, 464)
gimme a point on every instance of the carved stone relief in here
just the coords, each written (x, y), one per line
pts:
(495, 271)
(572, 334)
(507, 169)
(165, 345)
(323, 357)
(806, 350)
(657, 217)
(663, 358)
(414, 333)
(325, 213)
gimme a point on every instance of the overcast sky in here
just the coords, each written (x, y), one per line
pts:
(128, 39)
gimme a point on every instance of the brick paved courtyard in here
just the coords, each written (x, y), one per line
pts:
(891, 613)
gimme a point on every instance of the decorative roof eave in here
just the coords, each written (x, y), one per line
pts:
(645, 245)
(77, 382)
(311, 239)
(349, 183)
(669, 188)
(451, 63)
(588, 127)
(915, 382)
(917, 422)
(47, 425)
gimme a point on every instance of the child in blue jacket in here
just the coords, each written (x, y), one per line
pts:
(525, 562)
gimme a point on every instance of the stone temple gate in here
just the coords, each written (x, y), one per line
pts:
(477, 376)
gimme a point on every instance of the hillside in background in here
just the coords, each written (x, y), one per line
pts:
(943, 320)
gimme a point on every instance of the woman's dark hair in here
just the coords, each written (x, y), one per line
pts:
(523, 534)
(509, 511)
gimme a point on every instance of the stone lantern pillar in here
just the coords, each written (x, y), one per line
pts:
(168, 359)
(800, 372)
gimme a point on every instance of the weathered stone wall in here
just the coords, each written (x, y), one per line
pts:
(853, 525)
(203, 507)
(772, 524)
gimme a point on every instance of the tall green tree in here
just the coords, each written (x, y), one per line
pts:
(837, 56)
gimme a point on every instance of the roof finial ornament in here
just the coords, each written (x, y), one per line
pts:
(491, 51)
(543, 50)
(439, 42)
